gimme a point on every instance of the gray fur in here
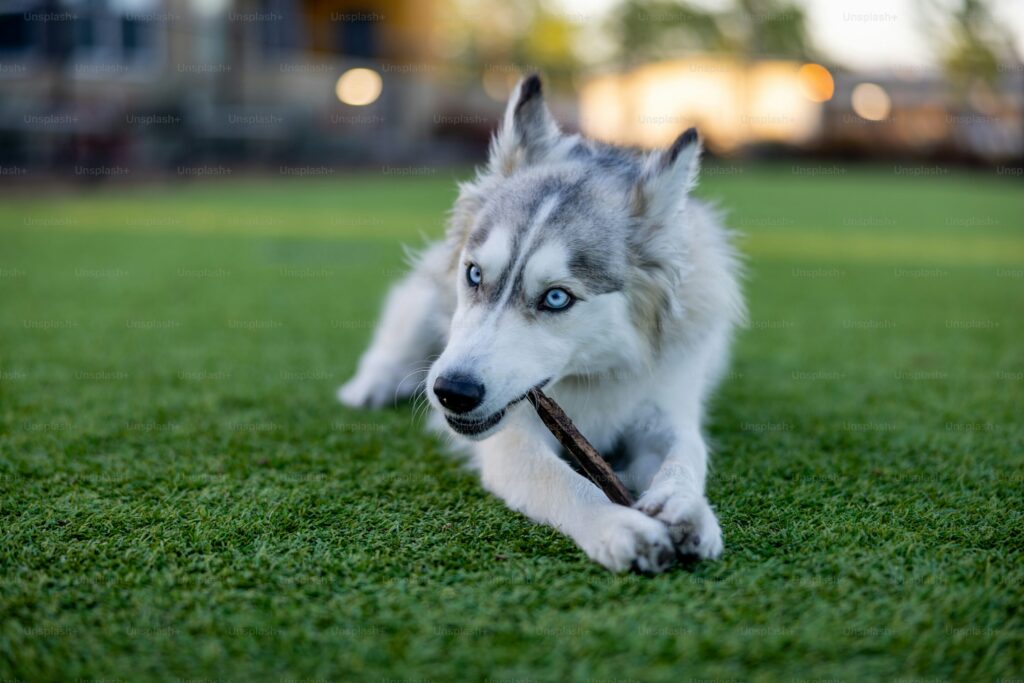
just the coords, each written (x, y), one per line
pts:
(610, 214)
(595, 241)
(595, 218)
(633, 362)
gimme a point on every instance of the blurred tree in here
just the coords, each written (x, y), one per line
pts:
(773, 28)
(971, 41)
(656, 29)
(548, 42)
(503, 39)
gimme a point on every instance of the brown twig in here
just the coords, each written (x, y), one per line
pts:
(589, 460)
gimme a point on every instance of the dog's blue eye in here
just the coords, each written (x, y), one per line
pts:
(556, 299)
(473, 275)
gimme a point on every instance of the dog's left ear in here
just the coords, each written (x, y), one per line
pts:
(528, 131)
(667, 179)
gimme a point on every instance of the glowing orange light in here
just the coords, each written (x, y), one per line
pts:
(816, 83)
(359, 87)
(871, 102)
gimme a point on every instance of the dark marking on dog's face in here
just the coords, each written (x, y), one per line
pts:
(541, 279)
(559, 270)
(539, 213)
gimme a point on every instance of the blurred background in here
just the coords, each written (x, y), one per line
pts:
(203, 203)
(116, 89)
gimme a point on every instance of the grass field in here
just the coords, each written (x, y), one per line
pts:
(181, 498)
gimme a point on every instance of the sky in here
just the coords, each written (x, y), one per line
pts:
(879, 34)
(867, 35)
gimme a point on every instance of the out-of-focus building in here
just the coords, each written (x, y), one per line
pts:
(740, 104)
(922, 115)
(733, 103)
(171, 84)
(116, 81)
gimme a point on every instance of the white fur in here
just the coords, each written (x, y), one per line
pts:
(618, 379)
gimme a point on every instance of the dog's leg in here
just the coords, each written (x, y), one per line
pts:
(406, 337)
(676, 497)
(519, 467)
(638, 473)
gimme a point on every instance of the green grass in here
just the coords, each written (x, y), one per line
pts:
(181, 497)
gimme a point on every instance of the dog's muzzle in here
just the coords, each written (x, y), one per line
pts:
(467, 427)
(459, 393)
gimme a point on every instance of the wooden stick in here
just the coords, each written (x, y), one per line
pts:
(589, 460)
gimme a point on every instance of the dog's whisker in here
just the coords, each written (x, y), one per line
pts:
(401, 382)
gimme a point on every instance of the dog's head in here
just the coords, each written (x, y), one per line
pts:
(562, 245)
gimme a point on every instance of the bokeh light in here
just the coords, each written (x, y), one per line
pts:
(359, 87)
(871, 102)
(816, 82)
(498, 83)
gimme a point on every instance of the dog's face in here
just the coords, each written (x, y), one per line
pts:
(540, 287)
(544, 283)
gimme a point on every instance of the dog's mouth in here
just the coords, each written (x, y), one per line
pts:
(476, 427)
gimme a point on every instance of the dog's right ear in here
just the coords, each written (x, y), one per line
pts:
(527, 132)
(667, 178)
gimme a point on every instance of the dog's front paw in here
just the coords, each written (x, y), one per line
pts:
(376, 387)
(691, 521)
(621, 538)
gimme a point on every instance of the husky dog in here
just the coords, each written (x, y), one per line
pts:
(587, 270)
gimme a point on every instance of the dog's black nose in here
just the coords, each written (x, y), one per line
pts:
(459, 393)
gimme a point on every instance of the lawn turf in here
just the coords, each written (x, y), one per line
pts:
(181, 498)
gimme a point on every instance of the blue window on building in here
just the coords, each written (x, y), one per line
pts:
(357, 34)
